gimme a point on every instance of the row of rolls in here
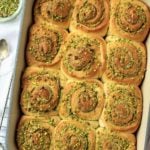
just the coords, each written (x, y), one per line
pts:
(76, 115)
(129, 19)
(80, 56)
(80, 90)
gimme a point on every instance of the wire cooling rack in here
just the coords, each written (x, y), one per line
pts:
(4, 118)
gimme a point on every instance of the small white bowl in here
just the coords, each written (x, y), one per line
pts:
(4, 19)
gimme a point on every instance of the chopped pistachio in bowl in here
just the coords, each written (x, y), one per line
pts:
(9, 9)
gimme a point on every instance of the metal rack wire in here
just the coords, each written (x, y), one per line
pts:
(3, 126)
(4, 119)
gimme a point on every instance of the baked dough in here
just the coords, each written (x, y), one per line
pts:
(126, 61)
(54, 12)
(44, 46)
(73, 135)
(91, 17)
(107, 139)
(123, 108)
(84, 56)
(66, 105)
(35, 133)
(41, 91)
(82, 100)
(129, 19)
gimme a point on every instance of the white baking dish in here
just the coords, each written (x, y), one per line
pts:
(14, 114)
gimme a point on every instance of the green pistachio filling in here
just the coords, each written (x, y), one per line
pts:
(45, 48)
(111, 141)
(72, 138)
(130, 18)
(59, 10)
(123, 110)
(89, 16)
(87, 99)
(123, 63)
(31, 135)
(40, 98)
(81, 54)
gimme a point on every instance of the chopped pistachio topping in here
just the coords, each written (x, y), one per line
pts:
(130, 18)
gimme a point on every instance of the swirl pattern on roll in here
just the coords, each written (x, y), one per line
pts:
(84, 56)
(91, 16)
(106, 140)
(126, 61)
(34, 133)
(44, 48)
(82, 100)
(130, 19)
(71, 135)
(41, 91)
(123, 108)
(57, 12)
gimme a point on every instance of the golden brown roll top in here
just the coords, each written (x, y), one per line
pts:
(56, 12)
(123, 108)
(82, 100)
(129, 19)
(72, 135)
(41, 91)
(35, 133)
(126, 61)
(91, 17)
(111, 140)
(84, 56)
(44, 47)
